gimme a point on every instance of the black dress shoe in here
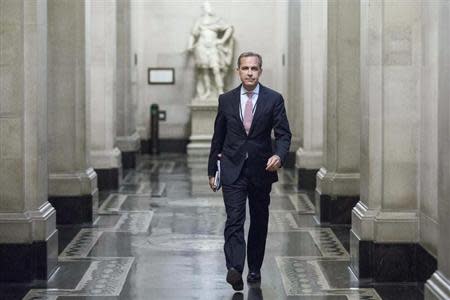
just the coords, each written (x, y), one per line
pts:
(254, 276)
(234, 278)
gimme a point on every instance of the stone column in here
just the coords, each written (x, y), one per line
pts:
(28, 235)
(338, 179)
(72, 181)
(312, 89)
(102, 79)
(438, 286)
(127, 140)
(385, 222)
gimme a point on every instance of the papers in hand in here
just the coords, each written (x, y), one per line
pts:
(217, 181)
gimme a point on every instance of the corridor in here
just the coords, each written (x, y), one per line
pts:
(159, 236)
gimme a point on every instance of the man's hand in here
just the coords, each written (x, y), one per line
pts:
(274, 163)
(211, 184)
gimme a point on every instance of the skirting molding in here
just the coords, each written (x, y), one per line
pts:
(73, 209)
(129, 159)
(437, 287)
(390, 262)
(334, 209)
(109, 179)
(27, 262)
(307, 179)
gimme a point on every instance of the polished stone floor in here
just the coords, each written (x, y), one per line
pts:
(160, 237)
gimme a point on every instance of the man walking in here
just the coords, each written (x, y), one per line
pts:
(245, 119)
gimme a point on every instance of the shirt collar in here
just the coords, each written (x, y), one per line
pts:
(255, 91)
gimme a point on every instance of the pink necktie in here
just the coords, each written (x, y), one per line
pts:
(248, 112)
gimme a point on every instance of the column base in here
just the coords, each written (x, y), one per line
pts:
(390, 262)
(73, 209)
(74, 196)
(28, 262)
(307, 179)
(308, 163)
(334, 209)
(129, 146)
(108, 166)
(437, 287)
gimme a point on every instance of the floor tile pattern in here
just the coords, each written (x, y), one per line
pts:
(160, 236)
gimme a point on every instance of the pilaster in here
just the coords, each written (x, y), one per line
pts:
(438, 286)
(28, 235)
(338, 178)
(72, 181)
(102, 90)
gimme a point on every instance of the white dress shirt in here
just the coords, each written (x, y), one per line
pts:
(244, 99)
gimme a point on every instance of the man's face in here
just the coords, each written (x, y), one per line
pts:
(249, 72)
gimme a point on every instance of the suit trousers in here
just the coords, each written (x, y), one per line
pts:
(235, 198)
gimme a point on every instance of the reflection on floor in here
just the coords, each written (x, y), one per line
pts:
(160, 237)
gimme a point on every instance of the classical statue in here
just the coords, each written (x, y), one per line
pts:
(211, 43)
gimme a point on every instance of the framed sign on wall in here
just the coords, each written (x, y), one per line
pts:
(161, 76)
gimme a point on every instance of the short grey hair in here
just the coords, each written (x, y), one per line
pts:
(249, 54)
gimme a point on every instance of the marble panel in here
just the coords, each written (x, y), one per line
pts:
(105, 277)
(302, 203)
(307, 278)
(81, 244)
(328, 243)
(134, 222)
(301, 276)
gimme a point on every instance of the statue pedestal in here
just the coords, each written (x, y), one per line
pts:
(203, 114)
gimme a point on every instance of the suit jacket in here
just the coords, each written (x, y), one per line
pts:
(231, 140)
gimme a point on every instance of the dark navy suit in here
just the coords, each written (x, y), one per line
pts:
(243, 174)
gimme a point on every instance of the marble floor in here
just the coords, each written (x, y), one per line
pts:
(160, 237)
